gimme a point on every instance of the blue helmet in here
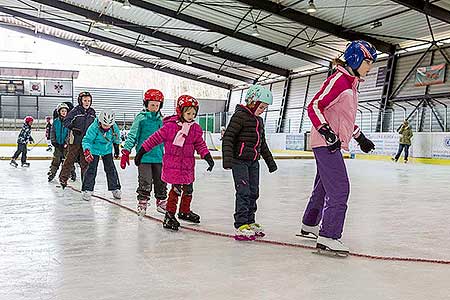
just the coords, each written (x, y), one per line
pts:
(259, 93)
(357, 51)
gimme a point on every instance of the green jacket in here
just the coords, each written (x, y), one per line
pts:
(100, 142)
(144, 125)
(406, 135)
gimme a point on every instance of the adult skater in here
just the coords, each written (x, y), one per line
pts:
(22, 140)
(147, 122)
(78, 121)
(406, 134)
(181, 137)
(332, 112)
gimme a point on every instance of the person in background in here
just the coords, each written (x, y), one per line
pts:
(48, 128)
(406, 134)
(22, 140)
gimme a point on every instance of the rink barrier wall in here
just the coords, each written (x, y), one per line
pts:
(273, 242)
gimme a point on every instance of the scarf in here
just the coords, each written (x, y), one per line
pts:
(181, 135)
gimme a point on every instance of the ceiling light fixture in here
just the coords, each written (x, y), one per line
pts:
(126, 4)
(255, 30)
(376, 24)
(188, 60)
(216, 49)
(311, 7)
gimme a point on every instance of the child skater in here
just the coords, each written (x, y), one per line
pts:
(147, 122)
(48, 129)
(101, 139)
(181, 137)
(332, 112)
(22, 140)
(242, 145)
(58, 137)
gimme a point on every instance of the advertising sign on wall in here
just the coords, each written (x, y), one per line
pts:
(430, 75)
(58, 88)
(35, 88)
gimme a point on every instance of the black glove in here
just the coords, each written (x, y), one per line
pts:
(365, 144)
(116, 150)
(76, 131)
(333, 142)
(210, 162)
(138, 157)
(273, 167)
(31, 140)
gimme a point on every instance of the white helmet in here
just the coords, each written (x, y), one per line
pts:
(107, 117)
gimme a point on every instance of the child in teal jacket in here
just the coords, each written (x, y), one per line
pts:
(102, 137)
(147, 122)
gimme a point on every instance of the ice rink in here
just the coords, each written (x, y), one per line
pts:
(53, 245)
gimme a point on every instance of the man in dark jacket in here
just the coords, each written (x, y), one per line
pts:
(77, 121)
(243, 143)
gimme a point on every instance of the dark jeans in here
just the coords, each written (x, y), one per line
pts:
(111, 173)
(246, 183)
(400, 149)
(21, 148)
(148, 174)
(74, 152)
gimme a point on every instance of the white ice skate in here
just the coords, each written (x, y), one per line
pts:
(257, 229)
(117, 194)
(244, 233)
(86, 195)
(310, 232)
(331, 246)
(141, 208)
(161, 206)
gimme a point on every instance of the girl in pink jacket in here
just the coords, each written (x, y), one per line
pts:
(181, 137)
(333, 112)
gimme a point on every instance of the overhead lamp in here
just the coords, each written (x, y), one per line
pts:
(126, 4)
(310, 44)
(188, 60)
(216, 49)
(255, 31)
(107, 28)
(376, 24)
(311, 7)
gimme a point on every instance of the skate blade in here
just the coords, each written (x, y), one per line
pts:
(332, 253)
(171, 228)
(244, 238)
(309, 236)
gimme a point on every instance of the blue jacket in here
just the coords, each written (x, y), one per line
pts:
(58, 134)
(100, 142)
(144, 125)
(78, 120)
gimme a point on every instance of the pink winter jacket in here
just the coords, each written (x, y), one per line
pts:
(335, 104)
(178, 162)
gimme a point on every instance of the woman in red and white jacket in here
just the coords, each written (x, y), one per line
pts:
(333, 112)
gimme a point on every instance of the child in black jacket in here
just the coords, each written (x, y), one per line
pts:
(242, 145)
(22, 141)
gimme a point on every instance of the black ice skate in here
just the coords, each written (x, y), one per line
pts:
(63, 184)
(170, 222)
(51, 177)
(73, 175)
(190, 217)
(13, 163)
(26, 165)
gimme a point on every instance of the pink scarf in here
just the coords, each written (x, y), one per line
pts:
(182, 133)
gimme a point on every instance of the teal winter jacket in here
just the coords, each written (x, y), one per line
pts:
(144, 125)
(100, 142)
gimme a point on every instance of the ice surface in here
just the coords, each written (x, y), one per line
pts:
(53, 245)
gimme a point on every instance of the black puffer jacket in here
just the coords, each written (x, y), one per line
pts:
(25, 135)
(78, 121)
(244, 139)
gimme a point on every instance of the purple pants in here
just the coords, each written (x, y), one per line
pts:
(328, 202)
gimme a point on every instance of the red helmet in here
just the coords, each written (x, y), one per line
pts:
(28, 119)
(154, 95)
(186, 101)
(48, 118)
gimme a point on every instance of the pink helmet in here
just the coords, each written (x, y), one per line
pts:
(28, 119)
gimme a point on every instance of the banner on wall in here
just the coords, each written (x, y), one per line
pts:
(35, 88)
(58, 88)
(430, 75)
(11, 87)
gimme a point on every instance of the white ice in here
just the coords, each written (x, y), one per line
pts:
(53, 245)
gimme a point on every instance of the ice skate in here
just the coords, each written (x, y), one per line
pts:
(25, 165)
(309, 232)
(394, 159)
(244, 233)
(13, 163)
(331, 246)
(73, 175)
(141, 208)
(86, 195)
(405, 161)
(49, 148)
(63, 184)
(170, 222)
(51, 177)
(257, 229)
(161, 206)
(117, 194)
(189, 217)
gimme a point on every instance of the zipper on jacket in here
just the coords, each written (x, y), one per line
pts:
(257, 141)
(242, 148)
